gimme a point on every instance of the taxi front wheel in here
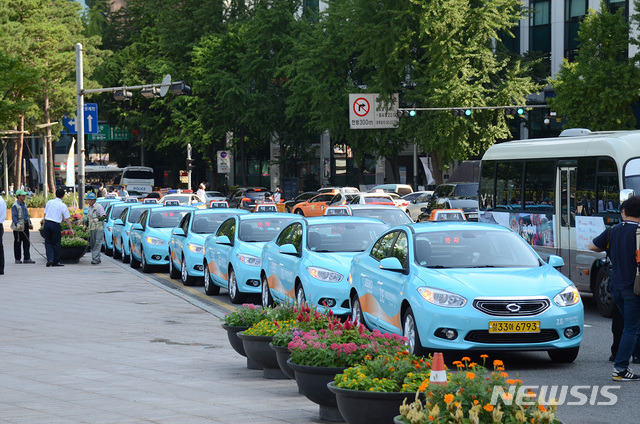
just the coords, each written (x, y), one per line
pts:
(173, 272)
(234, 293)
(410, 331)
(209, 287)
(267, 300)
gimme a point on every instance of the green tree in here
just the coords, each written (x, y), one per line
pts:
(586, 94)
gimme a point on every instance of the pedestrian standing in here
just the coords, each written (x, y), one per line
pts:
(3, 216)
(21, 224)
(201, 192)
(102, 192)
(94, 221)
(277, 195)
(621, 241)
(54, 212)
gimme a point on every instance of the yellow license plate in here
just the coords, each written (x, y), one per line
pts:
(514, 326)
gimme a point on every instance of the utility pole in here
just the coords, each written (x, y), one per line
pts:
(80, 123)
(189, 166)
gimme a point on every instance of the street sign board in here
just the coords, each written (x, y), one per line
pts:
(224, 161)
(107, 132)
(367, 111)
(90, 120)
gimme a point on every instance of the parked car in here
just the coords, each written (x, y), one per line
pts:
(413, 196)
(415, 206)
(247, 197)
(314, 206)
(346, 190)
(457, 190)
(185, 199)
(213, 195)
(466, 286)
(372, 199)
(388, 214)
(468, 205)
(232, 255)
(309, 260)
(149, 237)
(186, 245)
(401, 189)
(122, 229)
(342, 199)
(302, 197)
(113, 212)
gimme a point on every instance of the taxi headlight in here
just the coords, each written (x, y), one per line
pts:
(442, 297)
(155, 241)
(323, 274)
(567, 297)
(195, 248)
(249, 259)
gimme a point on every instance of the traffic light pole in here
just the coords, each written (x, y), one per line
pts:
(189, 187)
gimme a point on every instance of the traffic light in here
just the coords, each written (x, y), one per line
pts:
(406, 112)
(514, 111)
(461, 112)
(190, 165)
(122, 95)
(180, 88)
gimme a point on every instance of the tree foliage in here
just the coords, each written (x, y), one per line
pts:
(587, 95)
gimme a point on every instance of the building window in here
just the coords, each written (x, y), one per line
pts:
(511, 41)
(540, 31)
(574, 12)
(614, 5)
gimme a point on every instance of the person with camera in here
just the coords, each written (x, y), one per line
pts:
(21, 224)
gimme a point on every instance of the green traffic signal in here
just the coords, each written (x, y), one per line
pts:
(520, 111)
(412, 113)
(467, 112)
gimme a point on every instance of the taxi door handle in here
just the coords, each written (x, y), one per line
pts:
(380, 283)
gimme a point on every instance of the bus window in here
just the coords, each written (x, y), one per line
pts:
(539, 186)
(486, 192)
(586, 186)
(509, 185)
(608, 189)
(632, 175)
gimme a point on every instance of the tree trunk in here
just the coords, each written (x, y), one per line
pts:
(436, 161)
(243, 162)
(48, 176)
(17, 156)
(281, 166)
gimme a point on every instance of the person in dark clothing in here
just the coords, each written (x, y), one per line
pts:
(622, 250)
(21, 224)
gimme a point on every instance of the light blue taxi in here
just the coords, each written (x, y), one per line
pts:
(186, 246)
(309, 260)
(149, 237)
(122, 229)
(232, 254)
(466, 286)
(112, 212)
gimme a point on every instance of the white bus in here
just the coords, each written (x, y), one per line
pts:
(138, 178)
(559, 193)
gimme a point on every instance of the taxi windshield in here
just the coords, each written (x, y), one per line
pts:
(208, 223)
(262, 230)
(117, 210)
(134, 214)
(343, 236)
(473, 249)
(166, 218)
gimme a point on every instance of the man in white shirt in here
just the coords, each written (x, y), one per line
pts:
(54, 212)
(3, 216)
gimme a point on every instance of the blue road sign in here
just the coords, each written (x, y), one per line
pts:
(90, 120)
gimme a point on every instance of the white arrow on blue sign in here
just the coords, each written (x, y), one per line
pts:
(90, 120)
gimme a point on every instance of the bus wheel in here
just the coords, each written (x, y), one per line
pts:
(601, 293)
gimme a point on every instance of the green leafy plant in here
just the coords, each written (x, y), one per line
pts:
(73, 242)
(475, 395)
(245, 316)
(341, 345)
(397, 372)
(269, 327)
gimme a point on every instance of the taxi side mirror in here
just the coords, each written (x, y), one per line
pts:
(223, 240)
(556, 261)
(288, 249)
(178, 232)
(118, 222)
(137, 226)
(391, 264)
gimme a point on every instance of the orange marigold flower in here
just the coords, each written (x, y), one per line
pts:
(488, 407)
(470, 375)
(457, 363)
(466, 359)
(519, 381)
(430, 418)
(473, 364)
(392, 369)
(368, 357)
(497, 363)
(500, 368)
(531, 394)
(507, 396)
(475, 401)
(448, 398)
(484, 356)
(510, 381)
(542, 408)
(505, 375)
(423, 386)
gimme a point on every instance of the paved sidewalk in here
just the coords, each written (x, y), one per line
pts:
(106, 344)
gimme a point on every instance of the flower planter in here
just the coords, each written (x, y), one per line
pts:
(237, 345)
(363, 407)
(312, 382)
(282, 355)
(258, 350)
(398, 420)
(72, 254)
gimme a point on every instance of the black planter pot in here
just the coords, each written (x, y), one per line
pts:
(72, 254)
(398, 420)
(363, 407)
(312, 382)
(258, 350)
(282, 355)
(237, 345)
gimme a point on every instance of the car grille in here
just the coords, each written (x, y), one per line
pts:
(483, 336)
(511, 307)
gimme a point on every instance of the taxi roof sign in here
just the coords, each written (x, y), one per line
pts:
(111, 196)
(130, 200)
(150, 201)
(337, 211)
(172, 202)
(447, 215)
(214, 204)
(266, 208)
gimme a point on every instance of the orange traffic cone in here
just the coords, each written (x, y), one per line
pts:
(438, 373)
